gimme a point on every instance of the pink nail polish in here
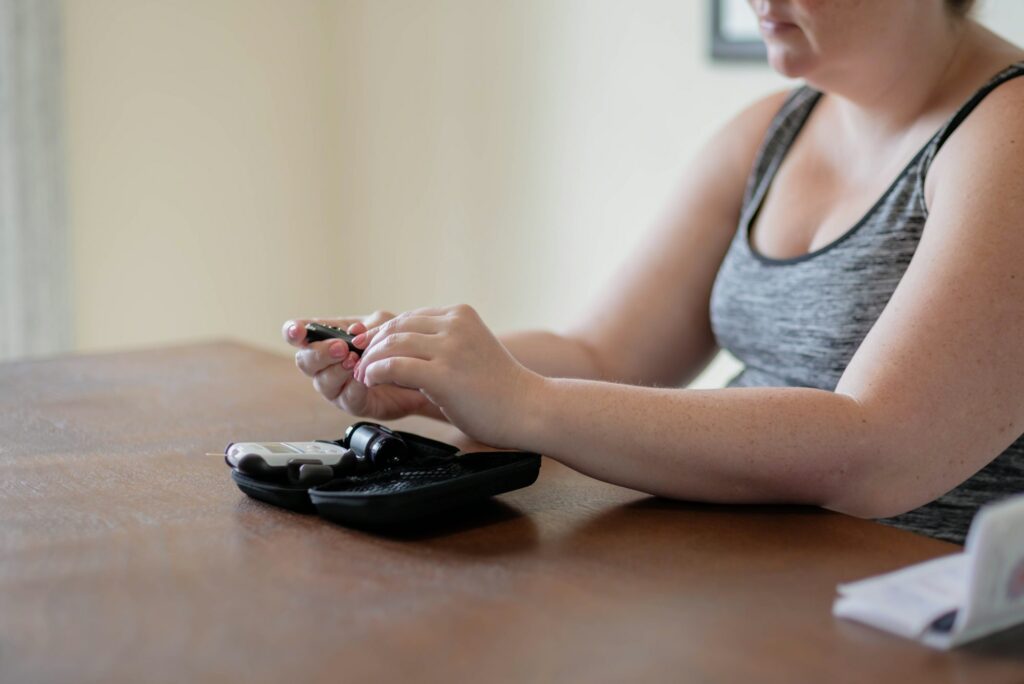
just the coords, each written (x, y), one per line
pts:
(339, 350)
(293, 332)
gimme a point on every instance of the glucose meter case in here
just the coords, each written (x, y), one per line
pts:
(420, 478)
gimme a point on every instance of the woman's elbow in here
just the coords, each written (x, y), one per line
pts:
(871, 507)
(872, 491)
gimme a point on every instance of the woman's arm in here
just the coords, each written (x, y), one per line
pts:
(933, 394)
(664, 288)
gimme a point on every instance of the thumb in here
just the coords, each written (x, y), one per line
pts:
(354, 397)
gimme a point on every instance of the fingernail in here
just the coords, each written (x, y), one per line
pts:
(293, 332)
(338, 350)
(350, 362)
(359, 340)
(354, 326)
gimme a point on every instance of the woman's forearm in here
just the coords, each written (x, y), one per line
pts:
(555, 356)
(754, 445)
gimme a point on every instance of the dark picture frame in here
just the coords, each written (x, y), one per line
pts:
(733, 36)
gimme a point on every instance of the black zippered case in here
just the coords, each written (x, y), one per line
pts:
(437, 478)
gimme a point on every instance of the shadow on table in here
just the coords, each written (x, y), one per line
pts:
(1005, 645)
(487, 529)
(657, 503)
(658, 527)
(668, 513)
(475, 517)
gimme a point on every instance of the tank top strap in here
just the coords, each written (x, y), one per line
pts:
(782, 131)
(942, 135)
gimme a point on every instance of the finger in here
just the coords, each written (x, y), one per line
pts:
(353, 397)
(317, 356)
(412, 345)
(342, 390)
(294, 332)
(371, 322)
(376, 318)
(422, 323)
(439, 313)
(402, 371)
(430, 311)
(331, 381)
(427, 311)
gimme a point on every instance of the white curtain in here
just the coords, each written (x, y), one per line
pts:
(34, 280)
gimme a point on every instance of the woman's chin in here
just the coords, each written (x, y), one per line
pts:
(788, 62)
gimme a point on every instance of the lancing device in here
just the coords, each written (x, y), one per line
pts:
(315, 332)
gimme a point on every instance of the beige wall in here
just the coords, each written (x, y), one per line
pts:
(521, 146)
(236, 162)
(201, 167)
(233, 163)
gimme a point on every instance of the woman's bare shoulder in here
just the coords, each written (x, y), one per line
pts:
(1001, 107)
(1000, 110)
(738, 140)
(980, 143)
(760, 111)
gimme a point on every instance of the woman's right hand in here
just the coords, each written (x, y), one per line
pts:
(329, 363)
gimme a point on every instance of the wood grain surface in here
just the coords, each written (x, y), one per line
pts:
(126, 555)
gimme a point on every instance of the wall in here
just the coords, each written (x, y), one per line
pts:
(200, 168)
(234, 163)
(237, 162)
(532, 142)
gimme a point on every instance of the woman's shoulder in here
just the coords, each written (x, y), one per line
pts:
(997, 102)
(753, 121)
(1000, 111)
(989, 138)
(1004, 96)
(738, 140)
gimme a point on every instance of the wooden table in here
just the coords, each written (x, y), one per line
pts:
(126, 555)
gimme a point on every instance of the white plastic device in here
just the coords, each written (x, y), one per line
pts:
(279, 454)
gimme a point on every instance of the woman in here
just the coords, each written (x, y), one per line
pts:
(880, 321)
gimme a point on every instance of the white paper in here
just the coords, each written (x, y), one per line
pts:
(908, 601)
(984, 585)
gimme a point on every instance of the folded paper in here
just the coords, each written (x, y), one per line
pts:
(954, 599)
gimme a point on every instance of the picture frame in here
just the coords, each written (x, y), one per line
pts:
(734, 32)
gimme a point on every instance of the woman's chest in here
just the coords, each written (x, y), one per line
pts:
(805, 211)
(803, 318)
(813, 202)
(827, 183)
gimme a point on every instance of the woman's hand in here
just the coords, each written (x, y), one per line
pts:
(451, 357)
(330, 362)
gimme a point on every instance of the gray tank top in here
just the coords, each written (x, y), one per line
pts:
(797, 322)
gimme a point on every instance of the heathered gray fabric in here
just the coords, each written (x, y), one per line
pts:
(797, 322)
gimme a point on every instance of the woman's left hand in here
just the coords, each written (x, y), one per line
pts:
(451, 356)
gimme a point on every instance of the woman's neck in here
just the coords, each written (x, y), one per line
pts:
(884, 94)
